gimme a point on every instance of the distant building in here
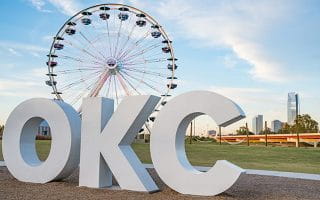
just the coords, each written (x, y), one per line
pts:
(292, 107)
(212, 133)
(44, 129)
(257, 124)
(276, 125)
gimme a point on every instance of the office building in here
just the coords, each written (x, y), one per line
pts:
(276, 125)
(257, 124)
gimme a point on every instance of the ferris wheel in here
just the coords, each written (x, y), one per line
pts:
(114, 51)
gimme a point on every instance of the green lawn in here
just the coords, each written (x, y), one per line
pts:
(254, 157)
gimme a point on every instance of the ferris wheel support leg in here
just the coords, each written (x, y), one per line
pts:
(148, 130)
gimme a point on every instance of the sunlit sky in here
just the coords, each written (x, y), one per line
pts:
(253, 52)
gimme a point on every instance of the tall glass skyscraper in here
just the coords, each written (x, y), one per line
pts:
(292, 107)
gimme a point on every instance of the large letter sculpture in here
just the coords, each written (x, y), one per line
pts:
(19, 141)
(106, 139)
(167, 143)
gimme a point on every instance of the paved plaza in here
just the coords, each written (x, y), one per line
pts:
(247, 187)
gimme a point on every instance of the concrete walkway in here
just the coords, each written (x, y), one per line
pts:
(304, 176)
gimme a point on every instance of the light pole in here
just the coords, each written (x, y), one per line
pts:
(297, 118)
(247, 132)
(190, 139)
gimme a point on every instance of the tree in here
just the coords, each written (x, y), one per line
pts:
(266, 131)
(243, 131)
(286, 129)
(1, 130)
(303, 124)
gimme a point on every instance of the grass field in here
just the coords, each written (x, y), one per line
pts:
(254, 157)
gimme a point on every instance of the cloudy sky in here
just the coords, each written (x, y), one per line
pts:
(253, 52)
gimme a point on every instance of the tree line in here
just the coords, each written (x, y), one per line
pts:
(302, 124)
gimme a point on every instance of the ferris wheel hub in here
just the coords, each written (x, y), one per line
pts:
(111, 63)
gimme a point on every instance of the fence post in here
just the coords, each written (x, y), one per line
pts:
(220, 134)
(266, 132)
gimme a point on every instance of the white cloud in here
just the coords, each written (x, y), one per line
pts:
(28, 86)
(230, 61)
(38, 72)
(241, 95)
(68, 7)
(15, 90)
(47, 38)
(13, 52)
(6, 84)
(238, 25)
(39, 5)
(22, 46)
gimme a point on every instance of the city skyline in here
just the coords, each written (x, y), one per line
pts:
(251, 52)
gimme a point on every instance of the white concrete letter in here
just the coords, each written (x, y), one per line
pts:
(19, 141)
(167, 143)
(106, 139)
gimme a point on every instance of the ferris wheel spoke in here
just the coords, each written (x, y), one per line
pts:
(76, 99)
(96, 63)
(126, 41)
(81, 80)
(146, 57)
(83, 42)
(118, 35)
(128, 36)
(153, 73)
(143, 66)
(145, 61)
(129, 83)
(115, 89)
(114, 28)
(108, 32)
(91, 44)
(142, 81)
(82, 94)
(78, 70)
(135, 44)
(123, 84)
(99, 83)
(141, 52)
(84, 62)
(150, 78)
(84, 50)
(147, 53)
(109, 87)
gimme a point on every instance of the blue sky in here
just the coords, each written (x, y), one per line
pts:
(253, 52)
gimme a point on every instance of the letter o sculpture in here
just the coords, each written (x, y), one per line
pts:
(19, 141)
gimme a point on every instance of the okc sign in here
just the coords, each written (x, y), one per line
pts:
(105, 137)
